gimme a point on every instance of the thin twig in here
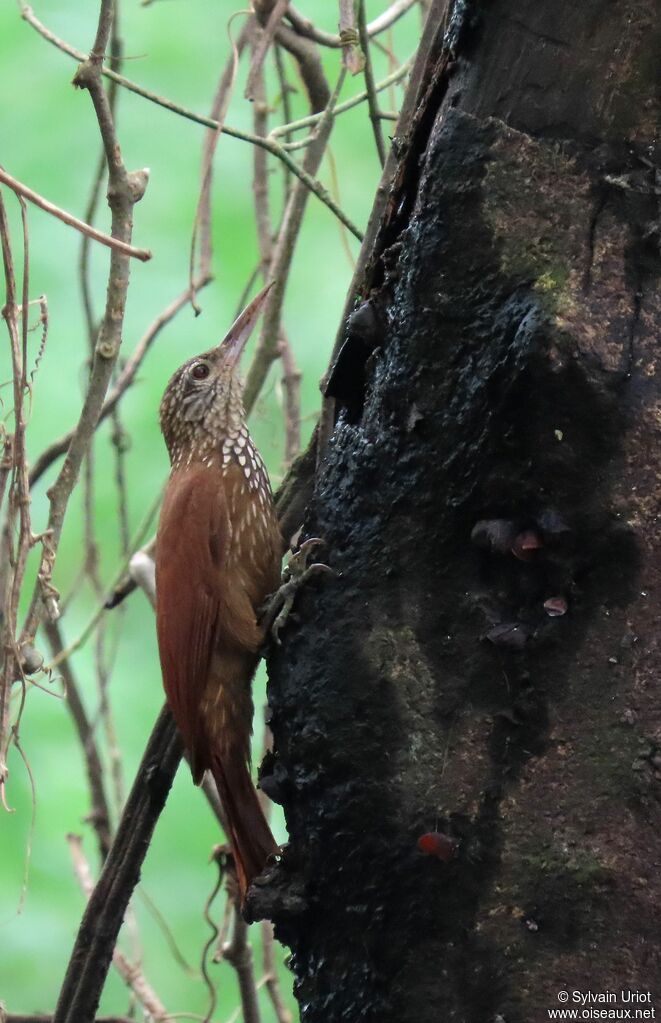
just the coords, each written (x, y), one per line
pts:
(168, 935)
(107, 719)
(238, 953)
(264, 41)
(271, 145)
(68, 218)
(310, 66)
(311, 119)
(219, 857)
(377, 127)
(121, 443)
(6, 464)
(291, 385)
(132, 975)
(286, 91)
(91, 571)
(306, 28)
(291, 374)
(218, 114)
(19, 493)
(202, 220)
(270, 973)
(99, 815)
(103, 658)
(95, 196)
(335, 187)
(267, 347)
(260, 182)
(282, 1013)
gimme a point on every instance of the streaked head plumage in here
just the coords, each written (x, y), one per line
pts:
(202, 404)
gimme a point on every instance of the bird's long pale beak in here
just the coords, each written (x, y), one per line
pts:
(236, 338)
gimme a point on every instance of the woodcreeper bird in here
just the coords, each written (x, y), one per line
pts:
(218, 553)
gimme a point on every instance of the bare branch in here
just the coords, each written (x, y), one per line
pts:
(306, 28)
(311, 119)
(131, 975)
(99, 816)
(107, 905)
(19, 495)
(310, 67)
(292, 377)
(291, 383)
(269, 971)
(261, 48)
(202, 218)
(121, 443)
(6, 463)
(218, 113)
(282, 1013)
(219, 857)
(267, 348)
(335, 189)
(269, 144)
(238, 954)
(68, 218)
(260, 183)
(95, 195)
(377, 127)
(286, 90)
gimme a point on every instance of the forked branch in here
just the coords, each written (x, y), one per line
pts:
(68, 218)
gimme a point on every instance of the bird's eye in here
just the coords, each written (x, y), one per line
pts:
(200, 371)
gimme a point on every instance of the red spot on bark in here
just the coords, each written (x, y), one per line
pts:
(555, 607)
(435, 843)
(526, 544)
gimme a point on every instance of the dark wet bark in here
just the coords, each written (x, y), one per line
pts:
(509, 359)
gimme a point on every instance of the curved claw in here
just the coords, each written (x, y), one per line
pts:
(297, 572)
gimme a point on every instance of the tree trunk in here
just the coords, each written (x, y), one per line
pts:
(503, 373)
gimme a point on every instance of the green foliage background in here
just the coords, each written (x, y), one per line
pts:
(50, 141)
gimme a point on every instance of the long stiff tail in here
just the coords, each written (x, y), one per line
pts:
(249, 834)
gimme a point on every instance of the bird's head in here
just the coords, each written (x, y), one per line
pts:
(202, 403)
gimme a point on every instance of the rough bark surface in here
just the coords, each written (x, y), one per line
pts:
(513, 321)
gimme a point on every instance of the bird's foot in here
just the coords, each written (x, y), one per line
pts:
(297, 572)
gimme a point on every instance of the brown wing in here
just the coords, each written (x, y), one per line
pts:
(190, 547)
